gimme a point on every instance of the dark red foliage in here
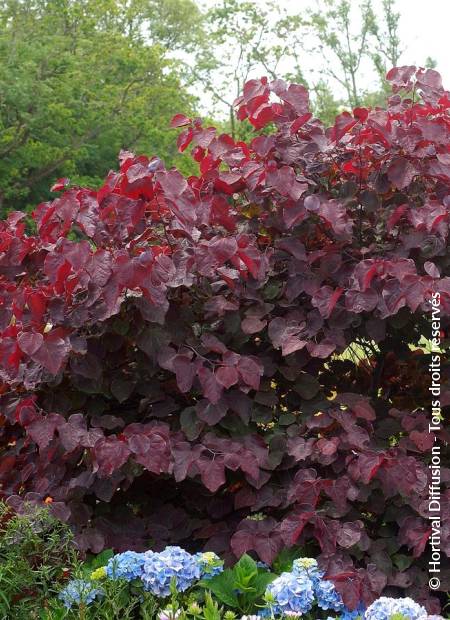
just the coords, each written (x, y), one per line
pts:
(170, 347)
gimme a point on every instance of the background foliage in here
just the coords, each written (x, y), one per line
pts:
(81, 79)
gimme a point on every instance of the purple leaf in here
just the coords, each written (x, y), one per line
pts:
(212, 389)
(227, 376)
(401, 172)
(30, 342)
(110, 454)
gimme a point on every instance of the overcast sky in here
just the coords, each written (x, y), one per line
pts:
(424, 28)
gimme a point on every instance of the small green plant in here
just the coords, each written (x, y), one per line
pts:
(241, 587)
(284, 560)
(211, 610)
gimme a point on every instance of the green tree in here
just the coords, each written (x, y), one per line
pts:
(326, 106)
(244, 40)
(354, 39)
(387, 50)
(81, 79)
(248, 39)
(341, 44)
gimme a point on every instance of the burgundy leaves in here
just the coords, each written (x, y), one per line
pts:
(212, 368)
(255, 102)
(49, 349)
(213, 456)
(235, 357)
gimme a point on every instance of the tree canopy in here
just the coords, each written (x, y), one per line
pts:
(82, 79)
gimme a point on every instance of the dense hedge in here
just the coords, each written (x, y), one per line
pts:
(234, 360)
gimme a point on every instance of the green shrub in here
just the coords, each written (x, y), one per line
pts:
(37, 554)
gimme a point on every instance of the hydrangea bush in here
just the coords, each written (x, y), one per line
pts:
(235, 360)
(176, 579)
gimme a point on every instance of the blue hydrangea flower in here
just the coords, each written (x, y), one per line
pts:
(385, 607)
(346, 614)
(324, 590)
(210, 564)
(128, 565)
(172, 563)
(291, 592)
(78, 591)
(327, 596)
(308, 567)
(301, 564)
